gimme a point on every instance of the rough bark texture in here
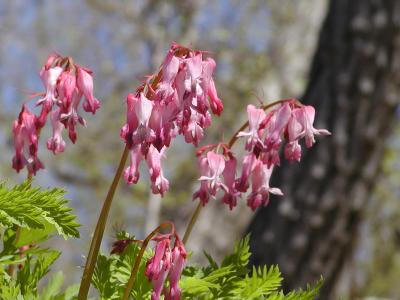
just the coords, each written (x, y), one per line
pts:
(354, 84)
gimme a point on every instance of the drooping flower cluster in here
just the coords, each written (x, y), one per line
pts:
(66, 83)
(166, 263)
(176, 100)
(265, 137)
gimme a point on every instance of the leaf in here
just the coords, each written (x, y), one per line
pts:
(53, 286)
(34, 236)
(262, 282)
(112, 273)
(70, 293)
(52, 290)
(240, 256)
(33, 208)
(195, 286)
(310, 293)
(212, 262)
(8, 289)
(101, 277)
(34, 269)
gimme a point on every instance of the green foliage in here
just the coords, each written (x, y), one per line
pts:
(263, 281)
(29, 216)
(230, 280)
(34, 269)
(233, 280)
(52, 291)
(33, 208)
(112, 272)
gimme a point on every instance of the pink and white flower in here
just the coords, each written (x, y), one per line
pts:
(171, 102)
(65, 84)
(85, 85)
(305, 116)
(166, 264)
(158, 266)
(159, 184)
(260, 177)
(178, 259)
(26, 142)
(256, 116)
(56, 142)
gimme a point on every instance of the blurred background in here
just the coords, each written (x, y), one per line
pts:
(340, 214)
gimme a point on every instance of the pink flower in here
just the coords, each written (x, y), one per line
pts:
(178, 262)
(216, 104)
(242, 183)
(293, 151)
(293, 148)
(170, 69)
(203, 193)
(70, 116)
(85, 85)
(260, 186)
(231, 194)
(56, 142)
(65, 84)
(256, 116)
(66, 88)
(132, 121)
(159, 183)
(276, 126)
(161, 122)
(176, 100)
(131, 173)
(158, 266)
(216, 165)
(305, 116)
(49, 78)
(193, 132)
(166, 263)
(143, 134)
(265, 137)
(193, 81)
(26, 142)
(50, 60)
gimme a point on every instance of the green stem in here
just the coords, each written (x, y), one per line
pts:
(99, 231)
(192, 222)
(11, 268)
(138, 259)
(232, 141)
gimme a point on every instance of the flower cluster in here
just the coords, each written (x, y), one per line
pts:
(166, 263)
(265, 136)
(66, 84)
(176, 100)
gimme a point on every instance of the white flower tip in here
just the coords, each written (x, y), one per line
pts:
(276, 191)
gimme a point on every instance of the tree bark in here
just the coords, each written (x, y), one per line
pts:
(354, 84)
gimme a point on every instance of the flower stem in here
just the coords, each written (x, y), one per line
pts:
(10, 270)
(139, 257)
(99, 231)
(231, 142)
(192, 222)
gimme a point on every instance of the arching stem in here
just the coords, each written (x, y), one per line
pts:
(99, 231)
(101, 223)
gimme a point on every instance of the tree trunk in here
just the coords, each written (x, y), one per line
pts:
(354, 84)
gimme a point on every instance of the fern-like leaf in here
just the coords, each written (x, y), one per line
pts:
(33, 208)
(261, 282)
